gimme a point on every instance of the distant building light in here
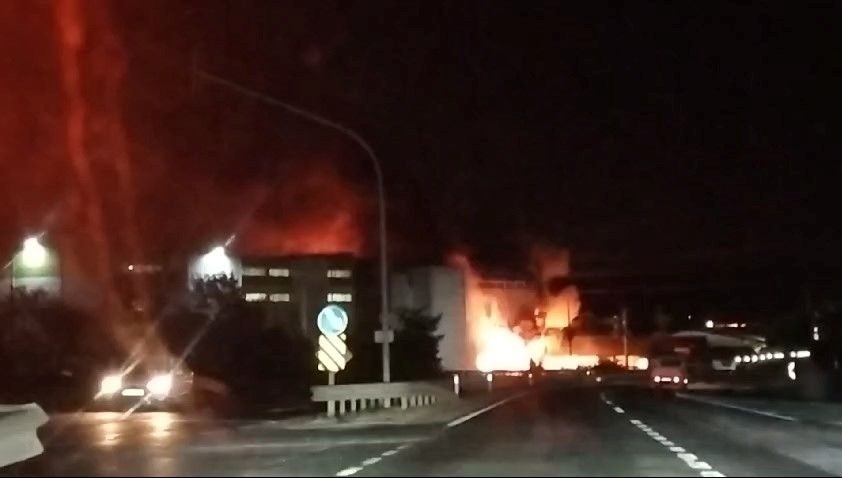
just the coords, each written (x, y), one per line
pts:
(709, 324)
(278, 272)
(339, 297)
(254, 271)
(339, 273)
(144, 268)
(255, 297)
(282, 297)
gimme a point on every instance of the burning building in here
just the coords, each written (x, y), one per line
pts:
(492, 324)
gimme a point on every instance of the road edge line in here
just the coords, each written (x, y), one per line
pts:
(753, 411)
(474, 414)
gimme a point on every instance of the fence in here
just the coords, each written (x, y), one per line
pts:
(361, 396)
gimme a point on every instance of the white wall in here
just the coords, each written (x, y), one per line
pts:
(439, 291)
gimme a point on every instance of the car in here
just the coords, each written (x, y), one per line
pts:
(143, 386)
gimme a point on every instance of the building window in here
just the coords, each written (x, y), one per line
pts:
(279, 297)
(339, 273)
(255, 297)
(254, 271)
(338, 297)
(279, 272)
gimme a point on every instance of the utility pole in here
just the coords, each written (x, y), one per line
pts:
(625, 321)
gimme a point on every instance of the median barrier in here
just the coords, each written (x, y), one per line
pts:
(356, 397)
(18, 432)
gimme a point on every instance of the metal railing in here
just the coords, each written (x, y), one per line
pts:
(342, 399)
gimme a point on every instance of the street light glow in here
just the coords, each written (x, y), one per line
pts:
(215, 262)
(33, 255)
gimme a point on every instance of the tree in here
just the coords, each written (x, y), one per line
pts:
(51, 353)
(222, 336)
(416, 346)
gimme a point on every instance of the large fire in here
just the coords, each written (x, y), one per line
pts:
(498, 346)
(506, 339)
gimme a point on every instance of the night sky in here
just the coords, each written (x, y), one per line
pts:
(649, 137)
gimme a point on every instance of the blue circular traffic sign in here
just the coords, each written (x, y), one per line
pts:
(332, 320)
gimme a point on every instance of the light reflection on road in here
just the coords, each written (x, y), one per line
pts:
(152, 427)
(161, 423)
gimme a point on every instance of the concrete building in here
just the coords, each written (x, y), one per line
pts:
(439, 290)
(293, 289)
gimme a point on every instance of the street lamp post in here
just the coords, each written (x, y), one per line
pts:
(381, 195)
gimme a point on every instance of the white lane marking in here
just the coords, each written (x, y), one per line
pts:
(404, 446)
(689, 459)
(371, 461)
(479, 412)
(389, 453)
(717, 403)
(349, 471)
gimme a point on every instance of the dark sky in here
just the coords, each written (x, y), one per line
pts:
(643, 135)
(648, 136)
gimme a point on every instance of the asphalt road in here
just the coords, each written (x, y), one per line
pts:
(564, 431)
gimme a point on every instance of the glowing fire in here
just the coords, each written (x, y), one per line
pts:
(315, 211)
(503, 350)
(498, 347)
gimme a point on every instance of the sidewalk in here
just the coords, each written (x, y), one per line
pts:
(443, 412)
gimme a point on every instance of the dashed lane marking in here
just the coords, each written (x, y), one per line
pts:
(690, 459)
(349, 471)
(371, 461)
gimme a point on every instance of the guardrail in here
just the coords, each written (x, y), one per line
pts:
(18, 432)
(361, 396)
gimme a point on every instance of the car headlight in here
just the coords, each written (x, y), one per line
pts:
(111, 384)
(160, 384)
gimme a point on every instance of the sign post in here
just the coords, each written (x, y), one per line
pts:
(333, 354)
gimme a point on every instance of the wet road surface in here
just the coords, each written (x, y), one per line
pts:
(559, 431)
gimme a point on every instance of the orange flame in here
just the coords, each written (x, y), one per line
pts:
(495, 346)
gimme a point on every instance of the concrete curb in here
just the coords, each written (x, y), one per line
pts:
(18, 432)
